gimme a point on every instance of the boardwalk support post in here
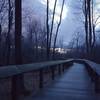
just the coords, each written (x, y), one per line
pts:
(53, 73)
(59, 69)
(41, 78)
(17, 87)
(97, 84)
(14, 88)
(63, 66)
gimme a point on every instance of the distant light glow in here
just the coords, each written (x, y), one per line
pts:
(58, 9)
(97, 13)
(97, 1)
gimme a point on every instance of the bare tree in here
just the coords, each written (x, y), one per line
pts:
(50, 27)
(0, 43)
(3, 6)
(52, 24)
(85, 11)
(18, 81)
(88, 12)
(47, 25)
(0, 33)
(18, 31)
(8, 38)
(95, 22)
(59, 23)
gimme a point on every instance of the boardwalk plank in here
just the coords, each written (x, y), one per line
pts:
(75, 84)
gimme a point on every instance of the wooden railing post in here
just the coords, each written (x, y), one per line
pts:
(59, 69)
(53, 73)
(18, 87)
(14, 92)
(97, 84)
(41, 78)
(63, 67)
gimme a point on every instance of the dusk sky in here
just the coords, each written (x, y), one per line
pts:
(71, 19)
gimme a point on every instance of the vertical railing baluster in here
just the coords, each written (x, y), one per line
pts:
(63, 67)
(59, 69)
(41, 78)
(53, 73)
(14, 94)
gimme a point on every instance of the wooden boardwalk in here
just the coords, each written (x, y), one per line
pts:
(74, 84)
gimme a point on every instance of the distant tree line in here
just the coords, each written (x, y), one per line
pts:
(23, 37)
(87, 45)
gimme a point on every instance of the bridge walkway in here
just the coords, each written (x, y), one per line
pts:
(74, 84)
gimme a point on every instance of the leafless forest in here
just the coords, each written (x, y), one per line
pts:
(26, 39)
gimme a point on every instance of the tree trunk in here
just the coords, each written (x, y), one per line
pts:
(47, 25)
(18, 49)
(86, 27)
(0, 33)
(52, 24)
(90, 28)
(93, 31)
(55, 39)
(0, 45)
(8, 41)
(18, 31)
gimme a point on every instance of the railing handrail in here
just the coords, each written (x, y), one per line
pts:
(9, 71)
(94, 66)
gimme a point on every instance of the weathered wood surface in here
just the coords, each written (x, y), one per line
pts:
(94, 66)
(94, 72)
(9, 71)
(75, 84)
(91, 64)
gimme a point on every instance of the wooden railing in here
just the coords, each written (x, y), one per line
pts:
(93, 70)
(16, 70)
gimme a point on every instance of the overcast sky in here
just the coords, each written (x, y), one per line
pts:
(70, 22)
